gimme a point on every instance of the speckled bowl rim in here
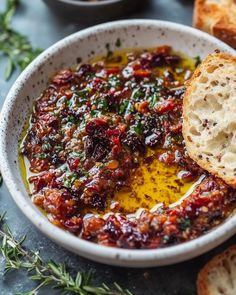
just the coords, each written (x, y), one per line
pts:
(113, 256)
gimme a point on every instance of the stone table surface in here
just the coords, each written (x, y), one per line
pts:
(43, 28)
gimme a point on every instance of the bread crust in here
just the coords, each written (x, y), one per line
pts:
(202, 283)
(226, 32)
(217, 19)
(193, 151)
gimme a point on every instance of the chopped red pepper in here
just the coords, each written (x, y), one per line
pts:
(142, 73)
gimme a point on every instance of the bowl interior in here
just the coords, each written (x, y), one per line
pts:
(83, 46)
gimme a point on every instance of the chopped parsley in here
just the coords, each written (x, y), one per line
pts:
(153, 100)
(101, 104)
(79, 154)
(114, 81)
(58, 148)
(123, 106)
(137, 93)
(70, 179)
(184, 224)
(41, 156)
(46, 146)
(83, 93)
(137, 128)
(95, 113)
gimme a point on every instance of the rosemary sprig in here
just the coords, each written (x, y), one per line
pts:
(48, 273)
(13, 45)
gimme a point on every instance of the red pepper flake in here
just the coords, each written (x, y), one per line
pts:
(165, 49)
(142, 73)
(114, 70)
(165, 107)
(74, 163)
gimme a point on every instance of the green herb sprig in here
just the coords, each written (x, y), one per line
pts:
(48, 273)
(13, 45)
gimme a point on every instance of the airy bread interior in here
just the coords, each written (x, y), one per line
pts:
(218, 277)
(209, 116)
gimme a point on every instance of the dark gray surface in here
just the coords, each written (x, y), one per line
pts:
(98, 11)
(43, 28)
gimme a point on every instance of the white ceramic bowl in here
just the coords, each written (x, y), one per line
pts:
(95, 11)
(84, 44)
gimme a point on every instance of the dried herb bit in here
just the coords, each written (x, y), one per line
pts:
(48, 273)
(15, 46)
(1, 179)
(118, 42)
(197, 60)
(109, 52)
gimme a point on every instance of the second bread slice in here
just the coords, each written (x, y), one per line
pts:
(218, 276)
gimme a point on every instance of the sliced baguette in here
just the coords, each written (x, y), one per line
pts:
(209, 116)
(216, 17)
(218, 276)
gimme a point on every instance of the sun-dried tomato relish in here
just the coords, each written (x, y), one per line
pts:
(88, 133)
